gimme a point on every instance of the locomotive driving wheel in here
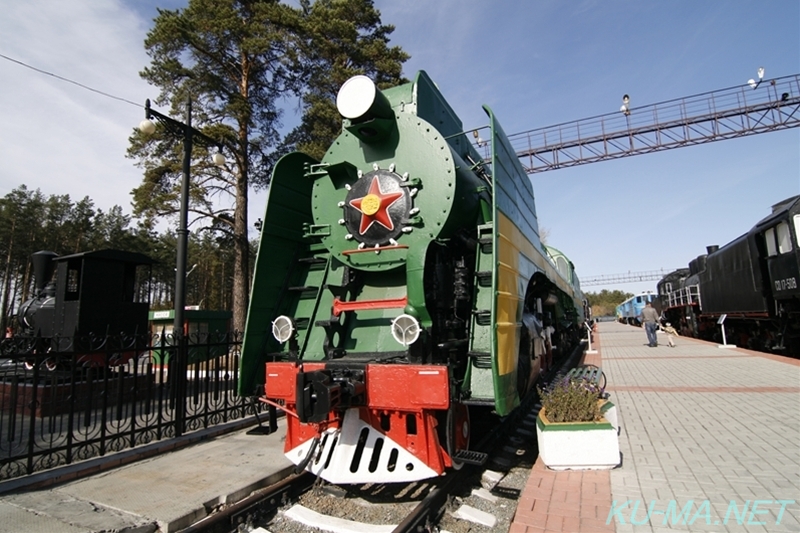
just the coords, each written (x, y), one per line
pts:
(458, 431)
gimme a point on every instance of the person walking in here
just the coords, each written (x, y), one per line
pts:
(671, 334)
(650, 321)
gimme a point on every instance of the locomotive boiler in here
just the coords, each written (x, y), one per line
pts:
(398, 283)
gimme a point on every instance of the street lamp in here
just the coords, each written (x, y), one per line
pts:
(753, 83)
(626, 109)
(188, 133)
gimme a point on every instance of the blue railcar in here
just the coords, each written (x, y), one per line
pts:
(629, 311)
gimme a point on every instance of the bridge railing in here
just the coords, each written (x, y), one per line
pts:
(711, 116)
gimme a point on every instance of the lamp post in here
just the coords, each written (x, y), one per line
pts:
(626, 110)
(753, 83)
(188, 133)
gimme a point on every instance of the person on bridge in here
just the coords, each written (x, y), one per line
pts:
(650, 321)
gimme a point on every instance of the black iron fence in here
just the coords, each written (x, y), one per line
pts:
(66, 400)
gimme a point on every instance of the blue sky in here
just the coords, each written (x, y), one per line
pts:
(535, 63)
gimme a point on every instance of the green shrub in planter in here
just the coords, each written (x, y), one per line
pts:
(571, 400)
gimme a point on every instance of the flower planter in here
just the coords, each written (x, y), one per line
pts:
(579, 445)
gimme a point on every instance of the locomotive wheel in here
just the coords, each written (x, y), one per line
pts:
(458, 431)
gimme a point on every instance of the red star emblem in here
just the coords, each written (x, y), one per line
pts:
(374, 207)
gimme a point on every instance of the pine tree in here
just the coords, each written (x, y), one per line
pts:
(340, 39)
(235, 60)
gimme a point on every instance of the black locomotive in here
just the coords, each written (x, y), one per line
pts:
(80, 302)
(752, 280)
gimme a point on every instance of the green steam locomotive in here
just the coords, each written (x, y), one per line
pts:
(400, 282)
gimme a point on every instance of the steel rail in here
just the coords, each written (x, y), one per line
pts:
(420, 519)
(266, 499)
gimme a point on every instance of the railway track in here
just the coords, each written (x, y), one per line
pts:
(484, 495)
(469, 499)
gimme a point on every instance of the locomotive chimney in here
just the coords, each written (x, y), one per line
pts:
(712, 248)
(368, 113)
(42, 268)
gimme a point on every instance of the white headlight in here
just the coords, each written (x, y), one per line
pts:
(355, 97)
(282, 328)
(405, 329)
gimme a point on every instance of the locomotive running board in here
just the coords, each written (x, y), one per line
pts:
(358, 453)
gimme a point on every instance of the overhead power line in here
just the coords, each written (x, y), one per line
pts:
(62, 78)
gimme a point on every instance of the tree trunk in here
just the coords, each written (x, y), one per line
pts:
(241, 262)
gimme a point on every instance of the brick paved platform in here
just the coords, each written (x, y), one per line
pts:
(710, 441)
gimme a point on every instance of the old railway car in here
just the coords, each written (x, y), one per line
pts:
(752, 280)
(398, 283)
(80, 302)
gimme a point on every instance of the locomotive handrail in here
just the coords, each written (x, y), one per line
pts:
(689, 295)
(375, 249)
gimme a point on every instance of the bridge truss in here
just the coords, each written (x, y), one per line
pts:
(713, 116)
(628, 277)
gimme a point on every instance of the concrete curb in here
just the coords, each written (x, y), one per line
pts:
(108, 462)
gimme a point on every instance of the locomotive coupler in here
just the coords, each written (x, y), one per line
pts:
(322, 391)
